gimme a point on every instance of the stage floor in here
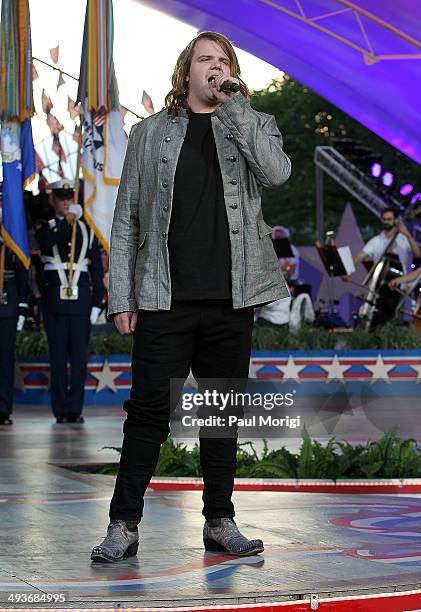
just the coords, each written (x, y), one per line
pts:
(314, 543)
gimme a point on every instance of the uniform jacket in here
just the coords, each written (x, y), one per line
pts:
(250, 154)
(15, 286)
(59, 234)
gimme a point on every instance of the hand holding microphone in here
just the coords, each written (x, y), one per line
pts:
(226, 85)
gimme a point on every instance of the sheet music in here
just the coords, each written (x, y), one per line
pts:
(346, 258)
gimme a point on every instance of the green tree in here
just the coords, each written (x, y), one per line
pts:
(307, 120)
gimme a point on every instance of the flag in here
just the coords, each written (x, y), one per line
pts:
(54, 54)
(16, 101)
(104, 139)
(18, 153)
(58, 149)
(61, 80)
(54, 124)
(39, 163)
(104, 147)
(72, 109)
(47, 105)
(16, 108)
(97, 80)
(147, 103)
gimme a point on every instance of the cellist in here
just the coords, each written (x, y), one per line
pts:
(402, 245)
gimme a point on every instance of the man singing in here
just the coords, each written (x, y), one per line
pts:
(191, 256)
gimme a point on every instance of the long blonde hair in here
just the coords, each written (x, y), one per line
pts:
(177, 96)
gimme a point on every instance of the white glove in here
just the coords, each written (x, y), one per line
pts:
(21, 323)
(76, 209)
(95, 314)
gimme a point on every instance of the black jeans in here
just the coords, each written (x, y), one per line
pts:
(212, 339)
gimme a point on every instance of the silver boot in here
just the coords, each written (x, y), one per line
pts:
(119, 543)
(223, 535)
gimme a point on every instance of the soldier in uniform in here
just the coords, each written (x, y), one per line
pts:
(70, 299)
(13, 309)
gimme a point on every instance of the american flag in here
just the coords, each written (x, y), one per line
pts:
(98, 117)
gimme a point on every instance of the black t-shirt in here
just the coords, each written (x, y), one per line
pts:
(198, 237)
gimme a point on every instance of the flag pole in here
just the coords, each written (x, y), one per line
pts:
(76, 201)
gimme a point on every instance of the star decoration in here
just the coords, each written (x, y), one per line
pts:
(19, 378)
(333, 288)
(253, 369)
(99, 141)
(335, 371)
(106, 378)
(417, 368)
(290, 370)
(379, 370)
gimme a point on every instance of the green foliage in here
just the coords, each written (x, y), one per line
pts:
(389, 457)
(31, 344)
(307, 120)
(34, 344)
(177, 460)
(313, 338)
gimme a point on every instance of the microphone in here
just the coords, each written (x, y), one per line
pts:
(229, 87)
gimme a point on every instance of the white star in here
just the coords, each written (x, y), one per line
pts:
(253, 369)
(106, 378)
(379, 370)
(417, 368)
(335, 371)
(290, 370)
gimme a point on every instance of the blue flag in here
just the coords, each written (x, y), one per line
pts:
(18, 153)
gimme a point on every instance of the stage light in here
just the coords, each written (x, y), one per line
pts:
(387, 179)
(376, 170)
(416, 198)
(406, 189)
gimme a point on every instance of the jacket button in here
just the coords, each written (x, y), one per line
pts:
(234, 206)
(164, 160)
(235, 230)
(167, 138)
(174, 120)
(164, 234)
(233, 181)
(164, 184)
(165, 208)
(232, 158)
(229, 136)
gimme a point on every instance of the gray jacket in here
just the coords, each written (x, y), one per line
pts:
(250, 154)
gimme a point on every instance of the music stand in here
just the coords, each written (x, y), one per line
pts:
(334, 266)
(282, 247)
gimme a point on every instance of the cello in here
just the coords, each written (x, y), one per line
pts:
(381, 302)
